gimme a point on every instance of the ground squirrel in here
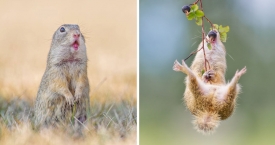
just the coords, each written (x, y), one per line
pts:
(207, 95)
(63, 94)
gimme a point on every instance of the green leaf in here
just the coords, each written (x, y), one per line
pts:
(209, 46)
(216, 26)
(199, 13)
(199, 21)
(194, 7)
(202, 72)
(191, 15)
(223, 29)
(223, 36)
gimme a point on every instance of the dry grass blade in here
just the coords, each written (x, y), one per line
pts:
(113, 120)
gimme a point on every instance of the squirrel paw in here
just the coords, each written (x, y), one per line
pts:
(241, 72)
(77, 97)
(177, 66)
(208, 76)
(70, 100)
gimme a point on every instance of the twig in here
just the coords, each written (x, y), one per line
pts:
(196, 2)
(209, 22)
(203, 36)
(206, 62)
(194, 52)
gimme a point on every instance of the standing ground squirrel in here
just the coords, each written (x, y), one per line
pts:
(63, 94)
(207, 95)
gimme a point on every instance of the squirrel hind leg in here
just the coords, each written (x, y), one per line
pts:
(206, 122)
(232, 89)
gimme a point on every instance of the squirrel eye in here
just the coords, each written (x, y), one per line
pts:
(62, 29)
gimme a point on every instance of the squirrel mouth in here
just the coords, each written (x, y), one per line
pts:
(75, 45)
(212, 35)
(212, 40)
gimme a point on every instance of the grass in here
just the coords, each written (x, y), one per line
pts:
(108, 124)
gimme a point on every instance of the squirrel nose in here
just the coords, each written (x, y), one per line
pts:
(212, 34)
(76, 36)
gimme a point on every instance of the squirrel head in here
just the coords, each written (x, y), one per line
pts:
(213, 37)
(68, 43)
(68, 35)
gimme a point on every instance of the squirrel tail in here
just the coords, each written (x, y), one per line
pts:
(206, 122)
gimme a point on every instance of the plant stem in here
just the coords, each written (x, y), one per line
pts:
(196, 1)
(194, 52)
(203, 36)
(209, 22)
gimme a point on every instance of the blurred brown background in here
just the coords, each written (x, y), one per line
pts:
(26, 28)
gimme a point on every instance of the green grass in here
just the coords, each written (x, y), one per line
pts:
(108, 123)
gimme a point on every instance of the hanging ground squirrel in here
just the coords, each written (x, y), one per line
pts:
(207, 95)
(63, 94)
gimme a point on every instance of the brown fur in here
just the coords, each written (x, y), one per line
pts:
(63, 94)
(209, 100)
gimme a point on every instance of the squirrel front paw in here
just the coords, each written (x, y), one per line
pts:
(181, 67)
(69, 100)
(177, 66)
(77, 96)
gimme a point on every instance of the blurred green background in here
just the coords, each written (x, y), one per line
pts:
(166, 35)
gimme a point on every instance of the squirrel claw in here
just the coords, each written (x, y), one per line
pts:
(77, 97)
(70, 100)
